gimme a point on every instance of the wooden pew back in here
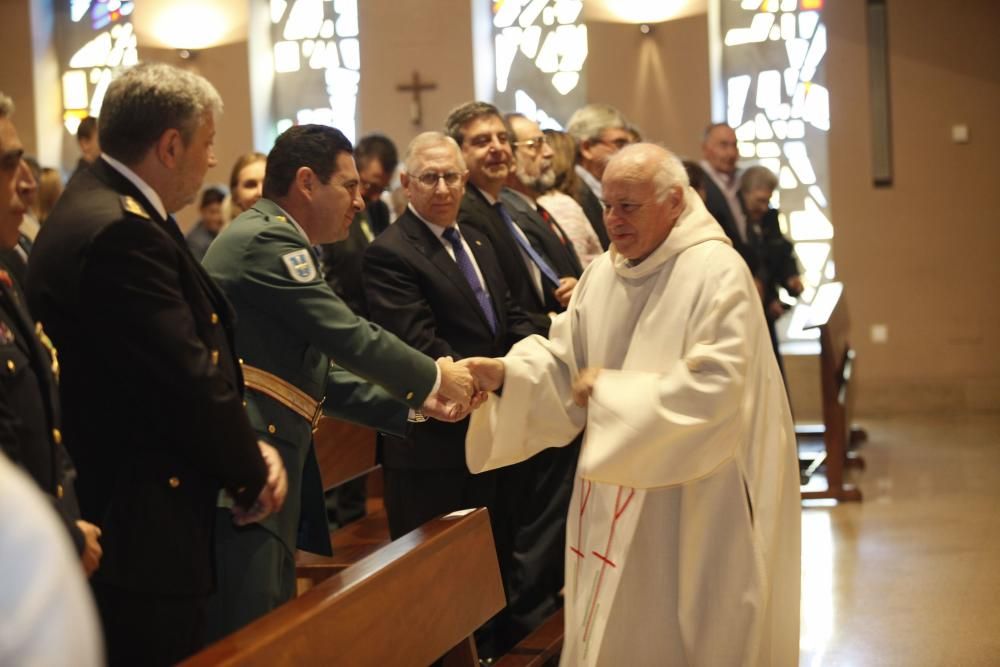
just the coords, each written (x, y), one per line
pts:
(836, 368)
(411, 602)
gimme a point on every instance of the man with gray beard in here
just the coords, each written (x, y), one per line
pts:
(532, 176)
(536, 493)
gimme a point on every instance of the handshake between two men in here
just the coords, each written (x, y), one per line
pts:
(466, 383)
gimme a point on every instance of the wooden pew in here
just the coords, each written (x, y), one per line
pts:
(539, 649)
(344, 451)
(837, 364)
(409, 603)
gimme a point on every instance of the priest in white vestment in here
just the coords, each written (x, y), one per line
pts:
(683, 531)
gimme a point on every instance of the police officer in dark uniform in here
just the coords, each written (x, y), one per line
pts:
(29, 401)
(153, 409)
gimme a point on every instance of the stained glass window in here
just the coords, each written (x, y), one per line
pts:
(94, 40)
(540, 51)
(317, 63)
(776, 98)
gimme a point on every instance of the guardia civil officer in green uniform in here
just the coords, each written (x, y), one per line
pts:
(301, 343)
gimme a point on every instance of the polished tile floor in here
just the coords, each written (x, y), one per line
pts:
(911, 575)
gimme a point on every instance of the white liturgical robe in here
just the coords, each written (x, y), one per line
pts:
(683, 530)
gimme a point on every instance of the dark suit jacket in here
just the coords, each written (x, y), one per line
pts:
(594, 211)
(151, 391)
(416, 290)
(554, 246)
(30, 423)
(715, 202)
(478, 214)
(342, 262)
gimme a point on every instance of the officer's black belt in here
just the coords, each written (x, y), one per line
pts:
(284, 392)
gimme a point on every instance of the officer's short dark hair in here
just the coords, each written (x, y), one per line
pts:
(87, 128)
(313, 146)
(211, 195)
(378, 147)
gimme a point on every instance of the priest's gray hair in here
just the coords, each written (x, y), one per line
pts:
(6, 106)
(668, 170)
(587, 123)
(758, 177)
(146, 101)
(426, 140)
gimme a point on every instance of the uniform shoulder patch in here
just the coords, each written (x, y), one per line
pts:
(132, 205)
(300, 266)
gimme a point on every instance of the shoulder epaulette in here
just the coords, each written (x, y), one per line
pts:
(132, 205)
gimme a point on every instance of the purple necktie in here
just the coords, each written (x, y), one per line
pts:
(469, 271)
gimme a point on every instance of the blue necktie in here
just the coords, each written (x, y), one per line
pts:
(469, 271)
(542, 265)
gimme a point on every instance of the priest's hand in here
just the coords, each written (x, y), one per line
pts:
(456, 382)
(583, 386)
(444, 410)
(488, 373)
(92, 551)
(272, 496)
(565, 290)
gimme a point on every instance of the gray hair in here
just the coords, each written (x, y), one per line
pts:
(758, 178)
(146, 101)
(426, 140)
(587, 123)
(669, 171)
(6, 106)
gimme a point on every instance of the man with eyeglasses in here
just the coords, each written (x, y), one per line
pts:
(537, 492)
(436, 283)
(306, 354)
(600, 131)
(479, 130)
(532, 175)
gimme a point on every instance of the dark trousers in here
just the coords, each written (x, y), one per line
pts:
(536, 495)
(254, 573)
(147, 629)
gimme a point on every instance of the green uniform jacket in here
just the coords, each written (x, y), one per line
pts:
(291, 324)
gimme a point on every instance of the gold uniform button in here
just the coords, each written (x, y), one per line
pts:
(244, 403)
(57, 436)
(59, 491)
(174, 482)
(215, 318)
(11, 366)
(215, 357)
(271, 429)
(409, 395)
(240, 360)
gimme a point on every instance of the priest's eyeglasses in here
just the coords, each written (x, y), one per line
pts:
(429, 179)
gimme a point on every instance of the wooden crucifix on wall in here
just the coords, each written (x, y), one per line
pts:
(416, 87)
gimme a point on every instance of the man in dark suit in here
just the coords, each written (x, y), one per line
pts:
(722, 188)
(151, 390)
(30, 424)
(437, 284)
(376, 158)
(479, 130)
(600, 131)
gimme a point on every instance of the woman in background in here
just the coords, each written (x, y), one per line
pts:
(559, 200)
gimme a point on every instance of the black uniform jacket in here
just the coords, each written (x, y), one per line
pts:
(416, 290)
(151, 392)
(30, 428)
